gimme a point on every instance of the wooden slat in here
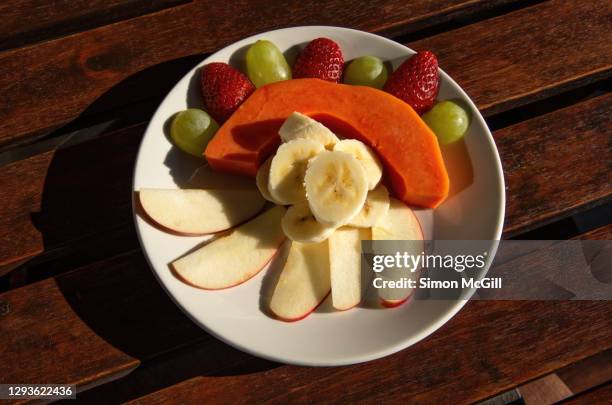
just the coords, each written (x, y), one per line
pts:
(210, 357)
(487, 348)
(28, 21)
(99, 67)
(50, 200)
(39, 83)
(569, 381)
(21, 186)
(588, 373)
(603, 233)
(529, 54)
(549, 389)
(90, 325)
(545, 180)
(599, 396)
(556, 163)
(97, 323)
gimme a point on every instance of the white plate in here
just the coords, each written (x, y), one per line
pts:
(475, 211)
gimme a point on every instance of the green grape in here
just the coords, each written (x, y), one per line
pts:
(192, 129)
(266, 64)
(366, 71)
(448, 121)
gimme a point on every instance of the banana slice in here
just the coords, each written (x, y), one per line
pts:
(375, 207)
(300, 225)
(300, 126)
(263, 175)
(286, 179)
(365, 156)
(336, 187)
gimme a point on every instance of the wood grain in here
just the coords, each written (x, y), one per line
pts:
(530, 54)
(556, 164)
(90, 325)
(487, 348)
(21, 194)
(34, 216)
(569, 381)
(602, 233)
(600, 396)
(28, 21)
(95, 324)
(51, 200)
(549, 389)
(38, 82)
(588, 373)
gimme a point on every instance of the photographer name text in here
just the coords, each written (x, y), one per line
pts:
(425, 282)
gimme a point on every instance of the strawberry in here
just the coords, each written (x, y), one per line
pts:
(224, 89)
(416, 81)
(321, 59)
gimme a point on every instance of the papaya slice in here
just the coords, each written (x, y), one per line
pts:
(408, 149)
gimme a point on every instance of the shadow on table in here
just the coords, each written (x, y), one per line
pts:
(87, 198)
(121, 302)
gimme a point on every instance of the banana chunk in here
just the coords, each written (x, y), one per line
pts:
(300, 225)
(287, 170)
(299, 126)
(336, 187)
(374, 209)
(366, 156)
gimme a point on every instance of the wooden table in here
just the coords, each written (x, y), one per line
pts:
(78, 304)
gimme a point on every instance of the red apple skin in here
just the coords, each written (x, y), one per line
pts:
(346, 309)
(392, 304)
(177, 275)
(395, 303)
(306, 314)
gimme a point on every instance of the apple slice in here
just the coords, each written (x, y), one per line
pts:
(399, 224)
(236, 257)
(198, 212)
(303, 283)
(345, 266)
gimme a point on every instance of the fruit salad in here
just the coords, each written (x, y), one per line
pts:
(334, 153)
